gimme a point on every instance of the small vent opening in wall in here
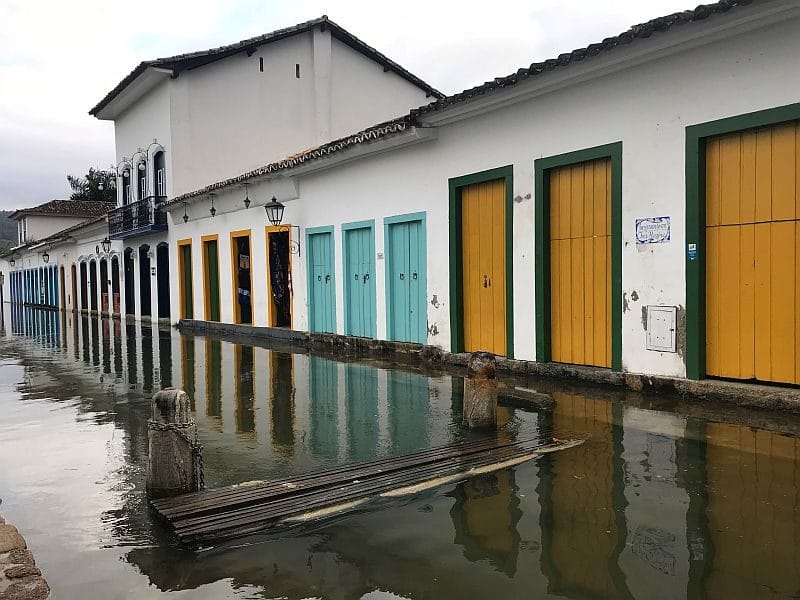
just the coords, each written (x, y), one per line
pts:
(297, 70)
(261, 63)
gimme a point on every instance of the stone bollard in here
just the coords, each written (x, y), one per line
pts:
(480, 391)
(174, 466)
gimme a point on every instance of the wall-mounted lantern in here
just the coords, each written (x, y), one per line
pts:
(246, 197)
(13, 261)
(106, 245)
(45, 257)
(274, 211)
(185, 215)
(213, 210)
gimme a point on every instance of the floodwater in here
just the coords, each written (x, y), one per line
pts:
(656, 504)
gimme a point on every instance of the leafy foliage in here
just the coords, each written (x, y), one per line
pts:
(8, 228)
(96, 185)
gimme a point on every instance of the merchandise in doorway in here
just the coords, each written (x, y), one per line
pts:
(280, 281)
(243, 279)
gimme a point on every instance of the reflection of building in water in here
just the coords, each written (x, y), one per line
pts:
(361, 410)
(147, 358)
(282, 401)
(409, 411)
(324, 409)
(655, 561)
(187, 369)
(165, 357)
(752, 512)
(485, 516)
(581, 495)
(130, 345)
(244, 391)
(214, 380)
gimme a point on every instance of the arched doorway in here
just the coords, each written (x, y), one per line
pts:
(115, 284)
(84, 287)
(162, 271)
(104, 286)
(144, 279)
(130, 292)
(93, 284)
(74, 286)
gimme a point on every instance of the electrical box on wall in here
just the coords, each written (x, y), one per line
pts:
(661, 327)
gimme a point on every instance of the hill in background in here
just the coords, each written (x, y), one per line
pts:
(8, 230)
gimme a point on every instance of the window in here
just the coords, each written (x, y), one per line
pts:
(22, 231)
(159, 170)
(126, 186)
(141, 189)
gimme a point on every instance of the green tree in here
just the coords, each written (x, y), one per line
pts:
(97, 185)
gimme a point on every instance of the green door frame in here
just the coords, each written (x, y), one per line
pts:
(542, 167)
(423, 283)
(455, 185)
(696, 137)
(368, 224)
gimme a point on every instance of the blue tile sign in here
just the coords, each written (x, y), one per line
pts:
(652, 230)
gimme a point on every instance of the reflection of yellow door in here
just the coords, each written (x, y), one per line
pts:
(483, 238)
(580, 263)
(752, 246)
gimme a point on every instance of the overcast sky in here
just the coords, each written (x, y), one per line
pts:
(59, 57)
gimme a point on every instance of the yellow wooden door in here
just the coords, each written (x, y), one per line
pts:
(752, 246)
(483, 236)
(580, 263)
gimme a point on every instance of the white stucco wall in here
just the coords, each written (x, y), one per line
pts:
(145, 121)
(647, 108)
(41, 226)
(363, 94)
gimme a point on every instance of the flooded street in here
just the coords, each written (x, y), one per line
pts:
(655, 504)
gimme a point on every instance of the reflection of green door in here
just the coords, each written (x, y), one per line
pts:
(321, 286)
(359, 280)
(406, 279)
(324, 387)
(361, 408)
(212, 279)
(409, 411)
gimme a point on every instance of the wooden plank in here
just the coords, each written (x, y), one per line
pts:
(260, 517)
(236, 511)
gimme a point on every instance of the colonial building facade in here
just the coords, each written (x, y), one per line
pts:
(631, 205)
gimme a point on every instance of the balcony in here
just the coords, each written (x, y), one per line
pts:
(137, 218)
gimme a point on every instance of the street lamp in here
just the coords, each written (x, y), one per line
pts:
(213, 210)
(13, 261)
(185, 215)
(106, 245)
(45, 257)
(274, 211)
(246, 197)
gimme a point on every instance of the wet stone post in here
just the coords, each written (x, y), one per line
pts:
(480, 391)
(175, 457)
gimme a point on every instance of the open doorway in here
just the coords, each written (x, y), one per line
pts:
(242, 277)
(279, 278)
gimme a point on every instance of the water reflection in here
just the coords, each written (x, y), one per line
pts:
(654, 505)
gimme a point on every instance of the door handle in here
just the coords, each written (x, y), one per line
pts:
(490, 282)
(327, 278)
(356, 276)
(366, 278)
(414, 276)
(485, 281)
(402, 276)
(319, 277)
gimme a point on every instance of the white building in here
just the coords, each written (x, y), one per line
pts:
(631, 205)
(556, 214)
(186, 121)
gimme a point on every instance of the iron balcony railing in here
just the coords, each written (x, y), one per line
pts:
(137, 216)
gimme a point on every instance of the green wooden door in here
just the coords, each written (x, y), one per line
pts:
(212, 280)
(406, 281)
(321, 285)
(359, 277)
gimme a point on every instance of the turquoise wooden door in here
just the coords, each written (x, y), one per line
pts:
(406, 277)
(321, 285)
(359, 277)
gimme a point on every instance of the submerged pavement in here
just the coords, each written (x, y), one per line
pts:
(20, 578)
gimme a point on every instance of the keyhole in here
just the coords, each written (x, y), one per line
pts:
(319, 277)
(402, 276)
(356, 276)
(414, 276)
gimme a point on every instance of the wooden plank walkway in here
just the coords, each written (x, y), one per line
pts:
(229, 512)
